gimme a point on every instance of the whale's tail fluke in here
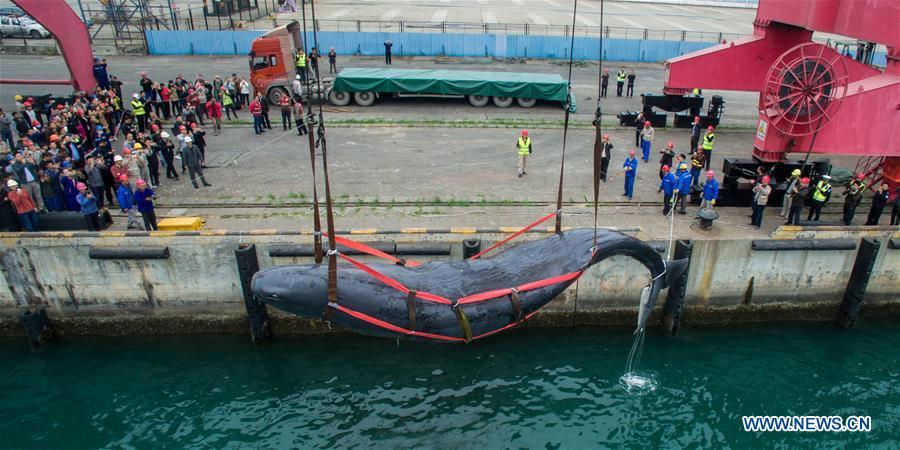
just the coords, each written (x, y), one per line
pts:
(673, 270)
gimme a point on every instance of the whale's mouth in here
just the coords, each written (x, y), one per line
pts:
(296, 289)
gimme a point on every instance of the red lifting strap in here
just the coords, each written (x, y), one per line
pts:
(394, 283)
(522, 288)
(391, 327)
(360, 247)
(514, 235)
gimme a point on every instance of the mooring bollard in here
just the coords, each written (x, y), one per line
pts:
(471, 247)
(859, 279)
(675, 297)
(248, 265)
(37, 327)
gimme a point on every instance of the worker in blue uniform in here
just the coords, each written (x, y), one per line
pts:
(668, 188)
(630, 169)
(683, 189)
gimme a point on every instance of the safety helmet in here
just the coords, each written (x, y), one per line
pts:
(81, 186)
(123, 177)
(605, 136)
(297, 77)
(710, 173)
(683, 166)
(827, 177)
(54, 137)
(18, 98)
(154, 127)
(804, 180)
(524, 132)
(188, 139)
(164, 135)
(665, 168)
(766, 179)
(135, 95)
(127, 151)
(138, 146)
(631, 152)
(860, 176)
(709, 128)
(796, 172)
(670, 145)
(140, 182)
(12, 184)
(117, 158)
(647, 123)
(696, 119)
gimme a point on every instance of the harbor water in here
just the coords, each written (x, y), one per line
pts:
(534, 388)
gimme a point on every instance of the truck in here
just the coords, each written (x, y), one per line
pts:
(272, 73)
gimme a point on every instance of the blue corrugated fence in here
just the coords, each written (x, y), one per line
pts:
(434, 44)
(428, 44)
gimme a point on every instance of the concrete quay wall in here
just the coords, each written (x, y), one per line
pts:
(196, 288)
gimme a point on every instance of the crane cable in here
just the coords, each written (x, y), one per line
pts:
(562, 163)
(317, 218)
(598, 119)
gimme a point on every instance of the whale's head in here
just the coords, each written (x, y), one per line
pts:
(301, 290)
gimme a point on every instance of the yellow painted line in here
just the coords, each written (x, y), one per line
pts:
(365, 231)
(414, 230)
(163, 233)
(263, 232)
(68, 234)
(509, 229)
(213, 233)
(463, 230)
(112, 234)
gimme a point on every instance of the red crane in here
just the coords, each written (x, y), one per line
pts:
(812, 98)
(72, 37)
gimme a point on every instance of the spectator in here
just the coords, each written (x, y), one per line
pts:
(668, 155)
(256, 112)
(854, 194)
(387, 51)
(199, 137)
(50, 188)
(264, 105)
(604, 82)
(24, 205)
(89, 208)
(798, 197)
(144, 196)
(214, 111)
(879, 202)
(100, 73)
(332, 61)
(297, 86)
(9, 218)
(93, 170)
(314, 60)
(244, 87)
(69, 190)
(126, 202)
(895, 210)
(151, 154)
(6, 127)
(630, 91)
(24, 169)
(168, 151)
(285, 103)
(792, 183)
(638, 128)
(760, 198)
(227, 103)
(193, 160)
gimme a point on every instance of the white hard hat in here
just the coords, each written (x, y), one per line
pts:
(164, 135)
(827, 177)
(117, 158)
(12, 183)
(135, 96)
(188, 139)
(297, 77)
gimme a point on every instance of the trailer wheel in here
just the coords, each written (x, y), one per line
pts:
(275, 95)
(526, 102)
(339, 98)
(503, 102)
(479, 100)
(34, 34)
(365, 98)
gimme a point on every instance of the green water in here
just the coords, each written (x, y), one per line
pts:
(528, 388)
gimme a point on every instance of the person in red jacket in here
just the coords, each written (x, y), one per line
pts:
(214, 111)
(23, 205)
(256, 110)
(285, 103)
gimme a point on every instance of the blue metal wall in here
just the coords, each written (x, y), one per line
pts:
(434, 44)
(428, 44)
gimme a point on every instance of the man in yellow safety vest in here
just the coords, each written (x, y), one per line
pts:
(300, 62)
(707, 145)
(523, 145)
(140, 115)
(620, 81)
(820, 196)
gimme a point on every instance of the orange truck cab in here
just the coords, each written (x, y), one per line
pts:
(272, 68)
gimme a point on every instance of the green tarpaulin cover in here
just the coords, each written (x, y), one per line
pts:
(410, 81)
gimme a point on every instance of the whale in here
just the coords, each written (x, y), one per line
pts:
(459, 301)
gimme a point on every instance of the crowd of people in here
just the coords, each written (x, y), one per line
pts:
(96, 150)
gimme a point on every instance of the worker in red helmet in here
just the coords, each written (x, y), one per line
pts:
(523, 147)
(125, 196)
(760, 198)
(798, 197)
(853, 197)
(629, 168)
(668, 154)
(667, 186)
(707, 144)
(605, 155)
(647, 136)
(696, 129)
(710, 190)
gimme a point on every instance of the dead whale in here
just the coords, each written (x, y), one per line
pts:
(462, 300)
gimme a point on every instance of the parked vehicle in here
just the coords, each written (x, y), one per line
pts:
(12, 11)
(21, 26)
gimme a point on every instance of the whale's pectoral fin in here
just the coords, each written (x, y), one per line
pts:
(674, 270)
